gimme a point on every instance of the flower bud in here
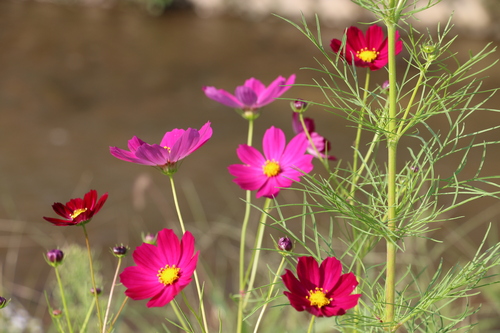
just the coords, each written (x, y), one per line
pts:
(299, 106)
(430, 52)
(54, 257)
(97, 290)
(385, 85)
(56, 313)
(285, 244)
(119, 251)
(3, 302)
(149, 238)
(414, 168)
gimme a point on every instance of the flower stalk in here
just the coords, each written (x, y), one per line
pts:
(92, 276)
(63, 299)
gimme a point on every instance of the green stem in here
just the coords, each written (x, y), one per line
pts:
(323, 160)
(92, 275)
(254, 261)
(401, 130)
(118, 314)
(243, 238)
(83, 328)
(63, 297)
(392, 144)
(178, 313)
(197, 281)
(111, 294)
(311, 324)
(269, 293)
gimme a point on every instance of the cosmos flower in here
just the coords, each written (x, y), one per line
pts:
(321, 144)
(163, 270)
(366, 51)
(174, 146)
(78, 211)
(252, 95)
(278, 168)
(322, 291)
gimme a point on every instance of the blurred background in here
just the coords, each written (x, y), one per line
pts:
(78, 76)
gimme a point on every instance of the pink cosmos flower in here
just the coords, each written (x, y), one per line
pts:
(78, 211)
(163, 270)
(280, 166)
(370, 51)
(252, 95)
(322, 291)
(322, 145)
(174, 146)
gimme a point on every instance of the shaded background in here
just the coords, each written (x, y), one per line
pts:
(77, 78)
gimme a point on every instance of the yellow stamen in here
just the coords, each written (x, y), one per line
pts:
(367, 55)
(271, 168)
(318, 297)
(168, 275)
(167, 148)
(78, 212)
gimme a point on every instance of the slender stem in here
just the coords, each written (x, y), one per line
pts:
(311, 324)
(92, 275)
(323, 160)
(254, 261)
(269, 294)
(243, 238)
(392, 143)
(178, 313)
(83, 328)
(197, 281)
(410, 103)
(63, 297)
(118, 314)
(111, 294)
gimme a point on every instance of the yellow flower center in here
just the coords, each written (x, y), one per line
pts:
(318, 297)
(367, 55)
(78, 212)
(271, 168)
(168, 275)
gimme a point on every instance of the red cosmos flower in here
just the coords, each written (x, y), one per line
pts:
(322, 291)
(163, 270)
(78, 211)
(370, 51)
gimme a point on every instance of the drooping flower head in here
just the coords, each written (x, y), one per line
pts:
(251, 96)
(174, 146)
(78, 211)
(366, 51)
(163, 270)
(322, 290)
(278, 168)
(321, 145)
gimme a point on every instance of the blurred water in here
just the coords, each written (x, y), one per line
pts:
(76, 80)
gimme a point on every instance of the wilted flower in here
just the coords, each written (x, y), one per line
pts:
(321, 144)
(370, 51)
(78, 211)
(321, 290)
(54, 257)
(162, 271)
(280, 166)
(285, 244)
(252, 95)
(174, 146)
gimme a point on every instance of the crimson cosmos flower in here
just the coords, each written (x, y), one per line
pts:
(366, 51)
(252, 95)
(174, 146)
(280, 166)
(163, 270)
(78, 211)
(322, 291)
(322, 145)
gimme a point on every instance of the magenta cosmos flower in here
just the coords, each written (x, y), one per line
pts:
(78, 211)
(174, 146)
(321, 144)
(280, 166)
(163, 270)
(252, 95)
(322, 291)
(366, 51)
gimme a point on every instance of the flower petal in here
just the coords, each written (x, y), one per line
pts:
(273, 144)
(223, 97)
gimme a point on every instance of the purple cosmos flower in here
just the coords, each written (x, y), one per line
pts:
(162, 271)
(78, 211)
(322, 145)
(174, 146)
(280, 166)
(366, 51)
(252, 95)
(322, 290)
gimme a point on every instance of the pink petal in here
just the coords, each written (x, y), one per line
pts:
(168, 247)
(223, 97)
(152, 155)
(274, 143)
(345, 285)
(248, 178)
(170, 138)
(270, 189)
(330, 271)
(134, 143)
(308, 272)
(147, 256)
(250, 156)
(186, 249)
(246, 95)
(256, 86)
(295, 149)
(164, 297)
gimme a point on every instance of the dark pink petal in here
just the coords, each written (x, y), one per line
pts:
(205, 134)
(59, 222)
(295, 149)
(164, 297)
(147, 257)
(61, 210)
(255, 85)
(171, 137)
(140, 285)
(347, 302)
(134, 143)
(330, 271)
(250, 156)
(374, 37)
(248, 178)
(89, 199)
(298, 302)
(308, 272)
(270, 189)
(246, 95)
(277, 88)
(345, 285)
(223, 97)
(184, 145)
(274, 143)
(168, 247)
(329, 311)
(189, 267)
(294, 285)
(186, 249)
(153, 155)
(100, 203)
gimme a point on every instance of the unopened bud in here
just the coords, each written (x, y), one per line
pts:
(119, 251)
(54, 257)
(149, 238)
(285, 244)
(414, 168)
(3, 302)
(56, 313)
(97, 291)
(299, 106)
